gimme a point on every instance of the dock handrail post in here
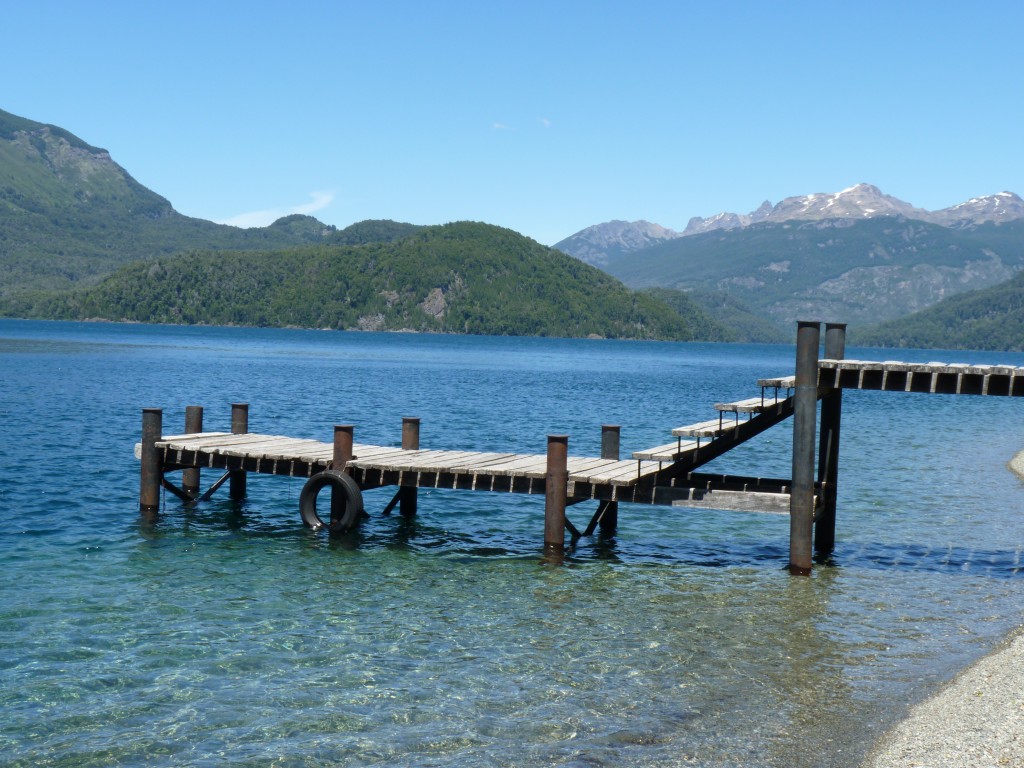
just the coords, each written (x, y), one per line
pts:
(555, 479)
(610, 442)
(239, 426)
(828, 447)
(801, 499)
(410, 442)
(151, 473)
(190, 479)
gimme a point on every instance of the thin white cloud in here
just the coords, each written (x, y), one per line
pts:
(320, 200)
(501, 127)
(544, 121)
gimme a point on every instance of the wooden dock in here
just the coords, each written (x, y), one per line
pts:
(664, 474)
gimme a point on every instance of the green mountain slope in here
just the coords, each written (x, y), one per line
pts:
(855, 271)
(989, 319)
(69, 214)
(456, 278)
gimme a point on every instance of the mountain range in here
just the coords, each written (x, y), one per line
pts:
(857, 256)
(599, 243)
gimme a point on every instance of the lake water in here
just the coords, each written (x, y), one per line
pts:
(229, 634)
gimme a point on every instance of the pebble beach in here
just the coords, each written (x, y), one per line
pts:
(976, 721)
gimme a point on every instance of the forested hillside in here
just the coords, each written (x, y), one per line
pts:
(991, 318)
(456, 278)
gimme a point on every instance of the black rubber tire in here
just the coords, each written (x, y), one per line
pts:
(348, 514)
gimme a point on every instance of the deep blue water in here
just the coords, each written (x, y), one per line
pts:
(229, 634)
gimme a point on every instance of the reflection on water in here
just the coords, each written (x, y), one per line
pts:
(226, 632)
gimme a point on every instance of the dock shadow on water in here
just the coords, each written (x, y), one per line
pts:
(229, 632)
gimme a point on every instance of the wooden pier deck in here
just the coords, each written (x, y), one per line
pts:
(663, 475)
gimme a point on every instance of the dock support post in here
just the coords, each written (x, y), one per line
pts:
(801, 499)
(190, 479)
(828, 447)
(610, 434)
(555, 480)
(151, 473)
(343, 439)
(410, 442)
(239, 426)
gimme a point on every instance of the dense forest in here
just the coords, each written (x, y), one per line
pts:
(456, 278)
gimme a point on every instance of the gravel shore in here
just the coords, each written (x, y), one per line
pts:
(977, 721)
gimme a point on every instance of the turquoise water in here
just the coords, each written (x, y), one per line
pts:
(229, 634)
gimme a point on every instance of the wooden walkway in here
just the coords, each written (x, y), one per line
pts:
(663, 474)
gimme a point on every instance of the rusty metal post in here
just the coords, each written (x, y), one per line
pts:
(555, 480)
(801, 500)
(239, 426)
(828, 446)
(190, 479)
(410, 442)
(343, 439)
(151, 473)
(610, 434)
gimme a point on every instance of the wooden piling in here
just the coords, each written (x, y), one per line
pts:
(239, 426)
(801, 500)
(190, 479)
(555, 479)
(410, 442)
(828, 446)
(610, 440)
(151, 473)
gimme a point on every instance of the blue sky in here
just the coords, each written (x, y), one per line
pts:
(542, 117)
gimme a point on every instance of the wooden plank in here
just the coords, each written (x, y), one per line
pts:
(524, 465)
(277, 447)
(780, 382)
(710, 428)
(667, 452)
(185, 443)
(750, 405)
(200, 436)
(737, 501)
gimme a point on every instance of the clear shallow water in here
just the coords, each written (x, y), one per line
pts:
(229, 634)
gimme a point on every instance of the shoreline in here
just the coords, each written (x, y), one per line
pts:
(974, 721)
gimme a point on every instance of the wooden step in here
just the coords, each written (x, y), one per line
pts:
(669, 452)
(751, 405)
(711, 428)
(781, 382)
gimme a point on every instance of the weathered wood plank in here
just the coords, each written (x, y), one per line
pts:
(738, 501)
(709, 428)
(667, 452)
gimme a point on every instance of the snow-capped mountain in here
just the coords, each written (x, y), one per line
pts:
(1004, 206)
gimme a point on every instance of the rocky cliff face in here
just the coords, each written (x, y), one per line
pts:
(596, 244)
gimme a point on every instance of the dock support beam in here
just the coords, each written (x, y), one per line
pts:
(801, 499)
(151, 473)
(555, 480)
(410, 442)
(193, 423)
(239, 426)
(828, 447)
(610, 440)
